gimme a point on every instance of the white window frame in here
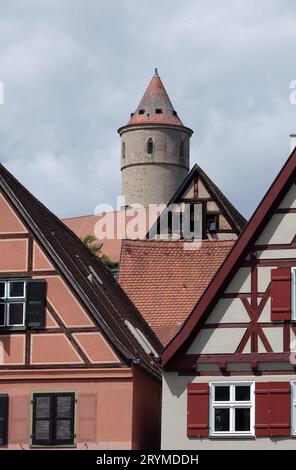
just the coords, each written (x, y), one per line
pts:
(7, 301)
(293, 276)
(232, 405)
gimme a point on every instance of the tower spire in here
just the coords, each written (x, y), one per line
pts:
(155, 107)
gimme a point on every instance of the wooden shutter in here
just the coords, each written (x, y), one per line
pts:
(64, 418)
(35, 304)
(280, 294)
(3, 419)
(197, 410)
(53, 418)
(272, 409)
(42, 418)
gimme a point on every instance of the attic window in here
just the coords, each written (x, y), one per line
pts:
(158, 111)
(212, 223)
(175, 113)
(141, 111)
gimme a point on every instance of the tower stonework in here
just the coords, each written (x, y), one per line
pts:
(155, 149)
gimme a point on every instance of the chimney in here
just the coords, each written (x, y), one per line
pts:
(292, 142)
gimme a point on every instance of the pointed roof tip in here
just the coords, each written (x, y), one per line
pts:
(155, 106)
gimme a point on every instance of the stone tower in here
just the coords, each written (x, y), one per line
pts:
(154, 149)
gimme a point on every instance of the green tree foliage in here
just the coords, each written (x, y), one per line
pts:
(96, 249)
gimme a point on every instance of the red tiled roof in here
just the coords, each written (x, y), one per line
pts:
(155, 98)
(111, 246)
(165, 279)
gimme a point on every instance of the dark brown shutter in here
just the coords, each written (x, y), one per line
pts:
(280, 293)
(197, 410)
(64, 418)
(42, 419)
(35, 304)
(3, 419)
(272, 409)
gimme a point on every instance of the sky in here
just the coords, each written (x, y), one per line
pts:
(73, 70)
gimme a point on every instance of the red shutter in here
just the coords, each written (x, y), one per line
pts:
(280, 294)
(272, 409)
(197, 410)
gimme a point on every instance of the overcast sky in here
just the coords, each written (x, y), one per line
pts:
(73, 71)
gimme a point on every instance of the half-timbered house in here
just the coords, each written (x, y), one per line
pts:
(78, 363)
(229, 373)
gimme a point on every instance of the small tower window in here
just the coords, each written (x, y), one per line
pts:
(150, 145)
(158, 111)
(123, 150)
(141, 111)
(181, 151)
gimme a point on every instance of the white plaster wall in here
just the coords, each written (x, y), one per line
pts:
(280, 229)
(241, 282)
(289, 200)
(229, 311)
(217, 341)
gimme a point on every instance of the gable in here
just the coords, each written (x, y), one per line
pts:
(234, 318)
(71, 335)
(197, 188)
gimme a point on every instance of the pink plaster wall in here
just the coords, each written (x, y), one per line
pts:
(104, 411)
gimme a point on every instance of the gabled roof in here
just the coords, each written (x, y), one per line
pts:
(251, 232)
(155, 98)
(165, 278)
(237, 221)
(103, 298)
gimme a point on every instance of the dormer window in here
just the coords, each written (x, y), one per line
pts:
(150, 146)
(141, 111)
(158, 111)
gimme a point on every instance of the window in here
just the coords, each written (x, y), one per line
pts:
(53, 419)
(12, 303)
(123, 150)
(158, 111)
(232, 409)
(294, 294)
(212, 223)
(150, 146)
(181, 151)
(141, 111)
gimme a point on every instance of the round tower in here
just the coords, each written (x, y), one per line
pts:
(155, 149)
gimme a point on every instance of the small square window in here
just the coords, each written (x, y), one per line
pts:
(16, 314)
(242, 393)
(222, 393)
(16, 289)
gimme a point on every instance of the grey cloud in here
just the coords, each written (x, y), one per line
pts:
(74, 70)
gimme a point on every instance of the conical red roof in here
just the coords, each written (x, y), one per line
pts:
(155, 107)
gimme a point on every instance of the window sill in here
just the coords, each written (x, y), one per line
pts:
(9, 329)
(66, 446)
(232, 436)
